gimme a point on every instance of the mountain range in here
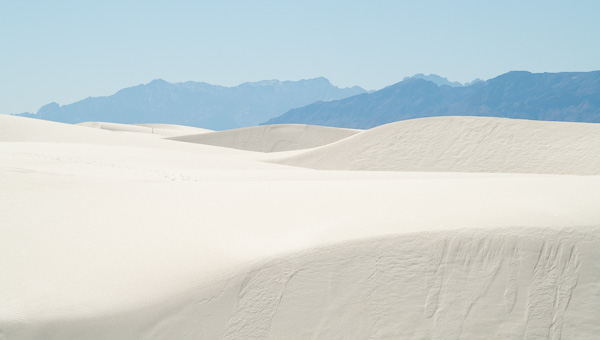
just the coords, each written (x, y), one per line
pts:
(197, 104)
(566, 96)
(434, 78)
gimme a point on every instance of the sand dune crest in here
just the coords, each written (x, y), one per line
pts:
(464, 144)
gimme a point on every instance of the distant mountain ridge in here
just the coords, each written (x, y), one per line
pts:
(440, 81)
(566, 96)
(197, 104)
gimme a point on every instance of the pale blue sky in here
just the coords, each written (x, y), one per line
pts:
(65, 51)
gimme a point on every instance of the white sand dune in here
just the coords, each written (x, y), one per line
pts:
(20, 129)
(185, 128)
(128, 237)
(158, 130)
(464, 144)
(272, 138)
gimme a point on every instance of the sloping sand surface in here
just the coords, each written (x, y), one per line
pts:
(158, 130)
(122, 236)
(463, 144)
(272, 138)
(20, 129)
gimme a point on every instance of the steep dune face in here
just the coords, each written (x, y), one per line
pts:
(464, 144)
(272, 138)
(158, 130)
(469, 284)
(510, 283)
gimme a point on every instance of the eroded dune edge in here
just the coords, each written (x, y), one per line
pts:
(121, 236)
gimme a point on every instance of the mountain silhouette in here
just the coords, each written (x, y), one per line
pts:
(566, 96)
(197, 104)
(440, 81)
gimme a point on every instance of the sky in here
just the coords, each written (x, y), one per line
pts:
(65, 51)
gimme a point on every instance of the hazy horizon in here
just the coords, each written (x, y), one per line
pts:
(67, 51)
(228, 86)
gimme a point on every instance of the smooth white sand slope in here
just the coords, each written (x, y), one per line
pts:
(158, 130)
(20, 129)
(464, 144)
(272, 138)
(147, 241)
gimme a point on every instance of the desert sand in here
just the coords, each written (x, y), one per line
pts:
(464, 144)
(159, 130)
(272, 138)
(110, 235)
